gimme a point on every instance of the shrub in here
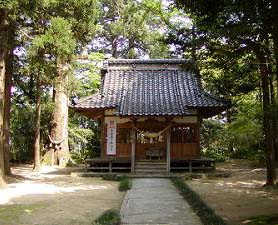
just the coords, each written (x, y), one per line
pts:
(264, 219)
(114, 177)
(218, 154)
(109, 217)
(125, 184)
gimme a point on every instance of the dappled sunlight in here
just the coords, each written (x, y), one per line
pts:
(43, 183)
(35, 196)
(248, 187)
(16, 190)
(237, 197)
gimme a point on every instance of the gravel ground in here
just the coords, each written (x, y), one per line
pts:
(53, 197)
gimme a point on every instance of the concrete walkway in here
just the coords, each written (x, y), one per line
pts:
(156, 201)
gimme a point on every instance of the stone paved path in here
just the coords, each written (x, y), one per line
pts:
(156, 201)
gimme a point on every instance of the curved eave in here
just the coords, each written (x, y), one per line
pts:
(153, 114)
(210, 111)
(90, 113)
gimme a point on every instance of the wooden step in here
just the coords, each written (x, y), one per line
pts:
(150, 171)
(148, 166)
(148, 163)
(162, 167)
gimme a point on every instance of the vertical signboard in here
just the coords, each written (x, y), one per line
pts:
(111, 138)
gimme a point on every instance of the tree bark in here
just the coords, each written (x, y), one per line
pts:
(6, 122)
(275, 47)
(3, 53)
(114, 49)
(59, 129)
(131, 54)
(229, 121)
(267, 123)
(7, 108)
(37, 158)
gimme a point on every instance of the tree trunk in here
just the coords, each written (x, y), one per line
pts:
(59, 129)
(229, 121)
(114, 49)
(267, 123)
(37, 158)
(7, 108)
(3, 52)
(273, 102)
(275, 46)
(131, 54)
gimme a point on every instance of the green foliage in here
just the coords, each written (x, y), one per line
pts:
(109, 217)
(22, 132)
(121, 177)
(228, 74)
(125, 184)
(87, 75)
(84, 138)
(212, 134)
(213, 140)
(58, 41)
(206, 214)
(114, 177)
(82, 15)
(241, 138)
(22, 127)
(262, 220)
(220, 155)
(132, 29)
(245, 131)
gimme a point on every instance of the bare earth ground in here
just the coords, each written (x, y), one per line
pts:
(53, 197)
(240, 196)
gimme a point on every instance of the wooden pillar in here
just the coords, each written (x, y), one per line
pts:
(133, 144)
(198, 130)
(190, 167)
(168, 142)
(86, 166)
(110, 166)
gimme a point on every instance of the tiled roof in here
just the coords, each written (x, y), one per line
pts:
(149, 87)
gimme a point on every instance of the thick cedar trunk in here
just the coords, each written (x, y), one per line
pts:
(6, 125)
(2, 82)
(267, 123)
(3, 52)
(59, 129)
(275, 45)
(7, 109)
(37, 158)
(229, 120)
(273, 101)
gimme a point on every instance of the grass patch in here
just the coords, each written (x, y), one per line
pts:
(114, 177)
(206, 214)
(262, 220)
(125, 184)
(9, 214)
(109, 217)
